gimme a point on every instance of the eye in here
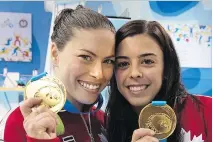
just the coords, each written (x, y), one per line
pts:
(109, 61)
(122, 65)
(86, 57)
(147, 61)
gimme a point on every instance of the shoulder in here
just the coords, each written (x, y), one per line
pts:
(198, 105)
(15, 117)
(206, 105)
(206, 100)
(203, 101)
(14, 126)
(4, 120)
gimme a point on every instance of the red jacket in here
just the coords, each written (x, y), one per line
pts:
(197, 124)
(75, 129)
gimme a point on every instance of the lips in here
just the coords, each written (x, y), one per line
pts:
(89, 86)
(137, 88)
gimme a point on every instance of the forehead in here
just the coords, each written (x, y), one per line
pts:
(99, 41)
(139, 44)
(98, 34)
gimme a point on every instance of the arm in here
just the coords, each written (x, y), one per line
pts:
(14, 130)
(23, 125)
(207, 101)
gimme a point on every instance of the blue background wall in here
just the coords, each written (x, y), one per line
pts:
(41, 21)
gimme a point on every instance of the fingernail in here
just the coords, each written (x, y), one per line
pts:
(152, 132)
(33, 109)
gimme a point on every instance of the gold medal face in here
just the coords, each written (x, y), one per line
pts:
(50, 89)
(161, 119)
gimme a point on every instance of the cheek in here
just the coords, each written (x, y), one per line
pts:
(158, 81)
(155, 76)
(120, 77)
(77, 70)
(71, 69)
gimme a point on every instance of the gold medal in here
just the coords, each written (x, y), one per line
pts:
(50, 89)
(159, 118)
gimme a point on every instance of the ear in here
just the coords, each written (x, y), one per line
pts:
(54, 54)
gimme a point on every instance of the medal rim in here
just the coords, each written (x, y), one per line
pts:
(172, 111)
(62, 102)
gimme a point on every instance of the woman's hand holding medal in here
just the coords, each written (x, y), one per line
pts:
(44, 98)
(157, 121)
(39, 122)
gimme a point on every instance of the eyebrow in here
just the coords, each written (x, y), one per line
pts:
(111, 56)
(121, 57)
(146, 54)
(90, 52)
(142, 55)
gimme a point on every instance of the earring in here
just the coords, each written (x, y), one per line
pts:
(53, 62)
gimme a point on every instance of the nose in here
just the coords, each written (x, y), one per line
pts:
(97, 71)
(135, 72)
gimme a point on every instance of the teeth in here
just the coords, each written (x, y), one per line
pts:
(85, 85)
(139, 88)
(89, 86)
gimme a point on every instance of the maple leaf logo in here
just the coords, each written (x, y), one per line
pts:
(187, 137)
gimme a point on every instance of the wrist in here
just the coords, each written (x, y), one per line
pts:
(33, 139)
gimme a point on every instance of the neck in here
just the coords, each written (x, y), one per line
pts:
(81, 107)
(74, 102)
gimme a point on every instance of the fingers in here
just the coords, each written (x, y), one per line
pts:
(41, 119)
(43, 108)
(45, 115)
(47, 123)
(43, 126)
(26, 107)
(42, 112)
(39, 122)
(142, 132)
(148, 139)
(53, 135)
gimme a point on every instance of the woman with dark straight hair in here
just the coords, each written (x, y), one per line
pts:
(147, 69)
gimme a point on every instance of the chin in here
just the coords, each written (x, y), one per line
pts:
(136, 103)
(88, 101)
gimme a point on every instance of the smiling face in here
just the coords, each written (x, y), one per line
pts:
(139, 69)
(85, 65)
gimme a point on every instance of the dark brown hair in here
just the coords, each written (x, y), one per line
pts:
(121, 120)
(80, 18)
